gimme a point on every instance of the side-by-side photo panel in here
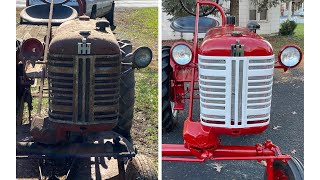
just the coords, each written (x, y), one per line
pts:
(87, 89)
(232, 89)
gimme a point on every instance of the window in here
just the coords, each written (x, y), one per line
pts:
(253, 14)
(263, 14)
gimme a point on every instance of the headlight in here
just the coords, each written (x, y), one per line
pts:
(32, 49)
(142, 57)
(290, 56)
(181, 54)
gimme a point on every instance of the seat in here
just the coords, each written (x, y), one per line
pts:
(39, 14)
(186, 24)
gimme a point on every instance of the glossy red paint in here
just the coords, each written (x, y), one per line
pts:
(265, 151)
(182, 73)
(239, 131)
(199, 139)
(177, 88)
(279, 175)
(217, 42)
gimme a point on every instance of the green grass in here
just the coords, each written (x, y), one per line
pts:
(279, 41)
(299, 31)
(141, 27)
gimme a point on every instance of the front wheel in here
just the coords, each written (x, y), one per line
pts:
(141, 167)
(293, 170)
(168, 115)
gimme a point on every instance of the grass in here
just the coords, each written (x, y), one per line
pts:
(140, 26)
(279, 41)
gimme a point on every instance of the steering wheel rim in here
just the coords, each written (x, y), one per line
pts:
(200, 15)
(49, 2)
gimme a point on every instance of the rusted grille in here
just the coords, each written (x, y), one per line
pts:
(84, 89)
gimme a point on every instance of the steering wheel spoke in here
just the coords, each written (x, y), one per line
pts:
(203, 9)
(55, 2)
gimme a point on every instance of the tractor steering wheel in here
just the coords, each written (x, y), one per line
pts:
(55, 2)
(194, 14)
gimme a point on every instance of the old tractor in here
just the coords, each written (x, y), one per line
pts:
(231, 73)
(91, 87)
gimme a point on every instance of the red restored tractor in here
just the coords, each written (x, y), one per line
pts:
(232, 71)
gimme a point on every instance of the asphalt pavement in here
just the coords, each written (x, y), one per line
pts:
(285, 130)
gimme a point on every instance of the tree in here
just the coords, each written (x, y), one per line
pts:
(173, 7)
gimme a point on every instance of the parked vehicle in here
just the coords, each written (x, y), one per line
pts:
(301, 13)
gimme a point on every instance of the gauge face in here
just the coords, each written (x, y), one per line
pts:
(37, 2)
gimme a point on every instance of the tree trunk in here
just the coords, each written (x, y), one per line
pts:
(234, 10)
(290, 10)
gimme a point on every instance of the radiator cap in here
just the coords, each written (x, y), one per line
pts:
(101, 25)
(84, 18)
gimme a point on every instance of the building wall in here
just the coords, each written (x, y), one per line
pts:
(269, 26)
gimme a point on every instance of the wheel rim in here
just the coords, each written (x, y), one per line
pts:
(174, 112)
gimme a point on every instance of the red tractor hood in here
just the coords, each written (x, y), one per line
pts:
(218, 41)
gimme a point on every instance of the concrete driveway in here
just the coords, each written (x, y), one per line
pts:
(287, 113)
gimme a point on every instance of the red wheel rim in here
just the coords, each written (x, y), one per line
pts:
(279, 175)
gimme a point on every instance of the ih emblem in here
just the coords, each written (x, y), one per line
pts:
(237, 49)
(84, 47)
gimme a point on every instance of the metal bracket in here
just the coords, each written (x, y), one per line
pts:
(237, 49)
(84, 47)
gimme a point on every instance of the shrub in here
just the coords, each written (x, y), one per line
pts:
(287, 28)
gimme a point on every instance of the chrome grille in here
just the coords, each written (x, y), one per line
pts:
(235, 92)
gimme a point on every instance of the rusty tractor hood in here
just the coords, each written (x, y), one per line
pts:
(69, 34)
(218, 41)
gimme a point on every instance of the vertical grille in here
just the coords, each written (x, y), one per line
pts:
(235, 92)
(84, 89)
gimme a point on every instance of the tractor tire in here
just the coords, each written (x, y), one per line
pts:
(142, 168)
(126, 100)
(168, 120)
(110, 17)
(19, 110)
(293, 170)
